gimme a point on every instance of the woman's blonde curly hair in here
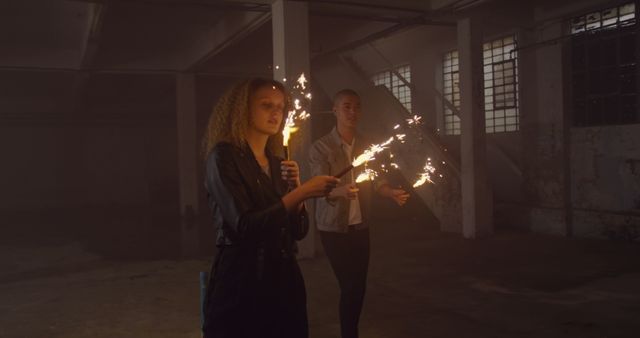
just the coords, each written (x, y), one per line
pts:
(230, 117)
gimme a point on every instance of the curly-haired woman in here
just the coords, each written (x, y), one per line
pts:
(256, 288)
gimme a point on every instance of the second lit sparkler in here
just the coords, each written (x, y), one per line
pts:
(366, 156)
(297, 113)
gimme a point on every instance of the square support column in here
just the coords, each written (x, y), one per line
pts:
(477, 199)
(187, 161)
(290, 21)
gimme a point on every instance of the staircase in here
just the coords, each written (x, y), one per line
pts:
(382, 111)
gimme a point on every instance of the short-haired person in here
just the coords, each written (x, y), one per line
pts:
(256, 288)
(341, 217)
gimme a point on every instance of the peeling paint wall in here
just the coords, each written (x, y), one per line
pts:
(578, 180)
(547, 167)
(605, 175)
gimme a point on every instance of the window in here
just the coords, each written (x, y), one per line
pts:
(397, 87)
(604, 67)
(607, 19)
(501, 85)
(451, 92)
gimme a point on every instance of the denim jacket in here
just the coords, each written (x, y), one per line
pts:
(327, 157)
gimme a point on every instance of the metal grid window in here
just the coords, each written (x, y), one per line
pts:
(451, 92)
(397, 87)
(501, 85)
(604, 67)
(610, 18)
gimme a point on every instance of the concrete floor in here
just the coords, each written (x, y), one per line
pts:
(422, 283)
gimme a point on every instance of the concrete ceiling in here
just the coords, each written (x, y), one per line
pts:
(158, 34)
(70, 42)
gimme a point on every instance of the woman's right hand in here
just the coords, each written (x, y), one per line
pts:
(319, 186)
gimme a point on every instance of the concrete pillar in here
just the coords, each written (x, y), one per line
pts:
(477, 199)
(291, 58)
(551, 145)
(187, 161)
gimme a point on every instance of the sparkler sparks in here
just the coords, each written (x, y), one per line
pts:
(302, 81)
(369, 154)
(367, 175)
(425, 176)
(366, 156)
(289, 127)
(415, 120)
(296, 114)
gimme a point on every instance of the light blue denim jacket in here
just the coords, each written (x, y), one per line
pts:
(327, 157)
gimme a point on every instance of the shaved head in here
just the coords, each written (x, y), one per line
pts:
(342, 93)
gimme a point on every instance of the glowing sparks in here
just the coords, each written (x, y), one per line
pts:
(297, 113)
(302, 80)
(425, 175)
(367, 175)
(415, 120)
(289, 127)
(369, 154)
(396, 127)
(401, 137)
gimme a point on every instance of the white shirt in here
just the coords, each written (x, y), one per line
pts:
(355, 215)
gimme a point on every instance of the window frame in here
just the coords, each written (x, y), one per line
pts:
(395, 85)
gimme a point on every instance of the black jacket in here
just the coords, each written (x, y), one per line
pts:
(247, 205)
(256, 288)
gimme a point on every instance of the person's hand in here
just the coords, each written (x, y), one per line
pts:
(399, 196)
(291, 173)
(348, 191)
(319, 186)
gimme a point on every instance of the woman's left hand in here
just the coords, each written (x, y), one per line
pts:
(290, 173)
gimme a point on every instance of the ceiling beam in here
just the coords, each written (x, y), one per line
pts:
(96, 14)
(233, 28)
(395, 29)
(95, 18)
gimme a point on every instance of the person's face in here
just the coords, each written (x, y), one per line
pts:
(347, 111)
(266, 107)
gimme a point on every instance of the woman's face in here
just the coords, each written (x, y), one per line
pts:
(266, 108)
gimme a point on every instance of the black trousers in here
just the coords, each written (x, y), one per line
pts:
(348, 254)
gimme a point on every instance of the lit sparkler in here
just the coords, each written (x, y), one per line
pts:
(367, 175)
(296, 114)
(366, 156)
(289, 128)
